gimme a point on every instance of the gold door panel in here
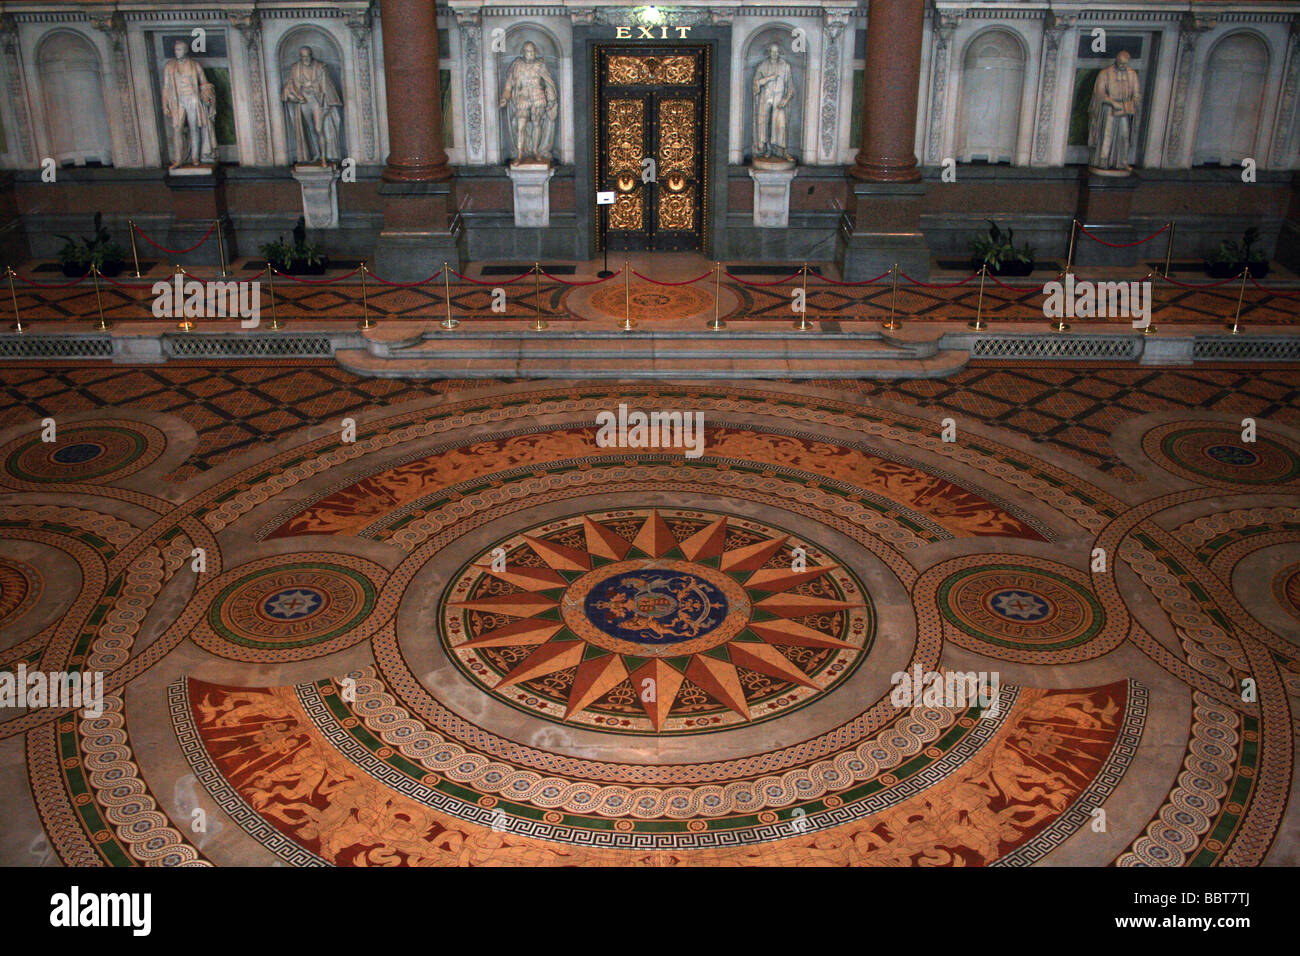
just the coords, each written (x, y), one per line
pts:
(652, 102)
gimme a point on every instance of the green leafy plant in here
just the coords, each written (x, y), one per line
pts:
(998, 249)
(1238, 253)
(99, 249)
(291, 256)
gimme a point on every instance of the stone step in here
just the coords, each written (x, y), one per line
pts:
(657, 367)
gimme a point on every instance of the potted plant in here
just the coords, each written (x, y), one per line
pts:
(999, 252)
(80, 253)
(299, 257)
(1232, 257)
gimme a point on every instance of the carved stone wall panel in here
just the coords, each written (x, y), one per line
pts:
(128, 133)
(15, 80)
(471, 40)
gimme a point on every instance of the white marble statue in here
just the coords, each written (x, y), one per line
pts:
(1116, 97)
(773, 89)
(534, 104)
(314, 105)
(189, 103)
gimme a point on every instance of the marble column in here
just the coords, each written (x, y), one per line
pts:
(414, 98)
(886, 195)
(890, 84)
(417, 180)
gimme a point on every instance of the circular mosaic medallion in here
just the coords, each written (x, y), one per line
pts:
(646, 301)
(1286, 589)
(1215, 454)
(656, 621)
(288, 612)
(83, 453)
(1021, 608)
(20, 586)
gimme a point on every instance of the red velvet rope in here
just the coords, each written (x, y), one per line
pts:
(1122, 245)
(658, 282)
(1198, 285)
(175, 252)
(936, 285)
(1017, 288)
(864, 282)
(58, 285)
(763, 285)
(522, 275)
(406, 285)
(568, 282)
(130, 285)
(1285, 295)
(293, 278)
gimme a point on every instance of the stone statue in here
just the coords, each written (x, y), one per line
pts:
(773, 89)
(531, 94)
(189, 102)
(314, 104)
(1115, 101)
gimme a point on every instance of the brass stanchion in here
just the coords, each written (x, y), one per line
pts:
(804, 325)
(893, 323)
(1236, 319)
(276, 325)
(1060, 325)
(184, 325)
(221, 251)
(717, 325)
(1069, 259)
(978, 325)
(1151, 325)
(1169, 249)
(104, 325)
(18, 319)
(539, 323)
(627, 325)
(135, 256)
(448, 323)
(365, 322)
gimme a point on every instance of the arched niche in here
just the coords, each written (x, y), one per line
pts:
(755, 52)
(548, 51)
(72, 93)
(325, 49)
(992, 81)
(1232, 100)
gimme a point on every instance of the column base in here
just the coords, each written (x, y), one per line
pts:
(887, 230)
(404, 256)
(1104, 207)
(198, 198)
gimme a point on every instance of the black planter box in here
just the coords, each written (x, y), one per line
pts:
(1229, 270)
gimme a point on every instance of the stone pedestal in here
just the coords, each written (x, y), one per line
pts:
(772, 194)
(320, 195)
(198, 198)
(416, 238)
(532, 193)
(886, 230)
(1105, 204)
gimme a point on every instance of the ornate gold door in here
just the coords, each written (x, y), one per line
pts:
(652, 104)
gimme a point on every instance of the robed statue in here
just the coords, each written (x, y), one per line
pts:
(1116, 98)
(773, 89)
(189, 104)
(314, 104)
(534, 105)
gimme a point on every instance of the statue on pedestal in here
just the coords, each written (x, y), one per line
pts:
(1116, 97)
(314, 104)
(189, 103)
(531, 94)
(773, 89)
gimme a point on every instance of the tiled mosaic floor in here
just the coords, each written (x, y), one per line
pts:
(475, 635)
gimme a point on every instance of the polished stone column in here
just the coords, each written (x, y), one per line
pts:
(890, 84)
(410, 32)
(417, 181)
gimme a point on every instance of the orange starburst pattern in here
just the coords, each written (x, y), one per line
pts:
(656, 621)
